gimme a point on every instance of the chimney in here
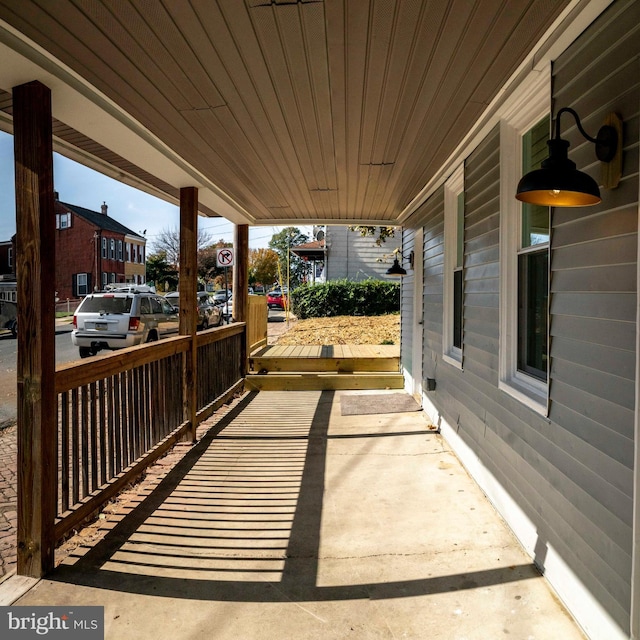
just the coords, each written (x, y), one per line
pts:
(104, 208)
(56, 195)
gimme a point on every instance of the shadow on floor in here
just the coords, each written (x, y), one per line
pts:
(239, 519)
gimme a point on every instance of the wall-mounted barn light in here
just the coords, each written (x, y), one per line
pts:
(396, 269)
(559, 184)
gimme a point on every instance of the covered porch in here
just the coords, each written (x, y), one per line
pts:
(283, 112)
(289, 519)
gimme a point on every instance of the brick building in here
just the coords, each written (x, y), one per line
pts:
(7, 258)
(93, 250)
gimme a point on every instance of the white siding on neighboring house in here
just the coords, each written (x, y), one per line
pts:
(351, 256)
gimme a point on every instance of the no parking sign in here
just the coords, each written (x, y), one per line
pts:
(224, 257)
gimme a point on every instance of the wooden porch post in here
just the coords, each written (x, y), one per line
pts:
(35, 264)
(188, 304)
(241, 284)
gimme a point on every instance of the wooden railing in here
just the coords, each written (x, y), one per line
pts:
(258, 315)
(119, 413)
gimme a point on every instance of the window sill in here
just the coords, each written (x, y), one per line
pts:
(528, 391)
(452, 360)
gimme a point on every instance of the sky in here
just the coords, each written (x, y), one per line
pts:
(140, 212)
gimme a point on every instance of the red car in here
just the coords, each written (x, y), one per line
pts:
(276, 300)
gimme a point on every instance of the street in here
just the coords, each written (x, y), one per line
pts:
(65, 352)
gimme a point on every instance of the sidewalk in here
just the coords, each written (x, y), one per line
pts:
(290, 520)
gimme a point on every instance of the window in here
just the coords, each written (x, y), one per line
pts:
(104, 247)
(112, 249)
(120, 250)
(10, 257)
(140, 254)
(533, 264)
(128, 252)
(134, 252)
(105, 280)
(63, 220)
(112, 278)
(145, 306)
(82, 284)
(524, 251)
(453, 265)
(156, 307)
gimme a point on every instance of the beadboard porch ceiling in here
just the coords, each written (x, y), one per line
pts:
(278, 110)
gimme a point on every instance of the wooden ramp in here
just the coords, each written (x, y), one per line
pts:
(300, 368)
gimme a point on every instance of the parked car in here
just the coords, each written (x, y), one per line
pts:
(276, 299)
(209, 314)
(121, 318)
(9, 307)
(227, 308)
(221, 296)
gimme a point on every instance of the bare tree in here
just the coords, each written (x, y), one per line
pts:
(168, 242)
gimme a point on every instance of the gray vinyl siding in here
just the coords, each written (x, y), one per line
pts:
(593, 309)
(351, 256)
(571, 473)
(406, 302)
(481, 259)
(433, 252)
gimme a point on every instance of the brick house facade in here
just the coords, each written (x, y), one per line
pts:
(93, 250)
(7, 258)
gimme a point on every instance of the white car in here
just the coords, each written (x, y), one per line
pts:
(121, 318)
(221, 296)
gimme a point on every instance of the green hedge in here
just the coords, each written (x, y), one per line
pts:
(346, 298)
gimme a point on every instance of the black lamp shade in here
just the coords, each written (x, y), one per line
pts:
(558, 183)
(395, 269)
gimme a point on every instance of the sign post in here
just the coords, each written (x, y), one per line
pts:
(224, 259)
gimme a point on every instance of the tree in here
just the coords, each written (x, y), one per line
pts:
(168, 242)
(383, 232)
(282, 243)
(263, 266)
(208, 267)
(160, 272)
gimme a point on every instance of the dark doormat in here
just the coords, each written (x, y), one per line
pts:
(365, 404)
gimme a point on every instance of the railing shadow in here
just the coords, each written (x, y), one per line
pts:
(239, 519)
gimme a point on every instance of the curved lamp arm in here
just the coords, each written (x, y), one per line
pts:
(606, 141)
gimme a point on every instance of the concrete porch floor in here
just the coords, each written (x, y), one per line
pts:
(297, 522)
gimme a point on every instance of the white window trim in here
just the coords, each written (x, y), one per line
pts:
(452, 189)
(84, 285)
(532, 103)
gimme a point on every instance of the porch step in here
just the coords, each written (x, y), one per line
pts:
(321, 381)
(276, 364)
(332, 358)
(306, 368)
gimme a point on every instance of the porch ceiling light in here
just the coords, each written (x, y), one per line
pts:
(558, 183)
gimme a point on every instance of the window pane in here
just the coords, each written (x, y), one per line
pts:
(535, 225)
(460, 230)
(156, 307)
(533, 279)
(108, 304)
(457, 309)
(535, 218)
